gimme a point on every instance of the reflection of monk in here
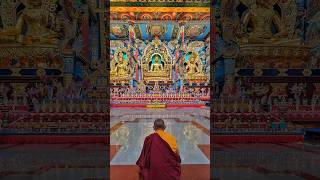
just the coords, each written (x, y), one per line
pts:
(160, 157)
(156, 66)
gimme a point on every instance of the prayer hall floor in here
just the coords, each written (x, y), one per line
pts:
(190, 126)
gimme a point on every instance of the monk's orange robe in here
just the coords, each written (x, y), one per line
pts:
(169, 139)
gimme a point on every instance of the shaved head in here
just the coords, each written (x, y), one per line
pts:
(159, 125)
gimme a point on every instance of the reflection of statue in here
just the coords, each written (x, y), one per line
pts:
(121, 68)
(263, 19)
(156, 65)
(192, 134)
(193, 67)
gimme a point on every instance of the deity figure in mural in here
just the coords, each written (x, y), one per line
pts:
(193, 68)
(263, 19)
(156, 66)
(121, 68)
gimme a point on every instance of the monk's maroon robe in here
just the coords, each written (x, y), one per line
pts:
(157, 161)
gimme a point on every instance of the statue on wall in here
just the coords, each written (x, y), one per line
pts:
(194, 68)
(120, 67)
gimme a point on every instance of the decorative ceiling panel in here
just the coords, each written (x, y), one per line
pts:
(163, 16)
(194, 30)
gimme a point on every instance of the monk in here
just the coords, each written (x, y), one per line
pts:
(159, 158)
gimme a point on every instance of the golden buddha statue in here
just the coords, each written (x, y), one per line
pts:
(263, 18)
(157, 65)
(34, 18)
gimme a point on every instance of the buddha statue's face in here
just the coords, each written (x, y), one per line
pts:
(156, 59)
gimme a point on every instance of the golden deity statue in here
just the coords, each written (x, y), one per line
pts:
(263, 19)
(35, 19)
(120, 69)
(157, 65)
(193, 69)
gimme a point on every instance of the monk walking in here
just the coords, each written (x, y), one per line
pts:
(159, 158)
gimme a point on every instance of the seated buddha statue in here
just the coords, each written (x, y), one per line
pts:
(157, 65)
(192, 68)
